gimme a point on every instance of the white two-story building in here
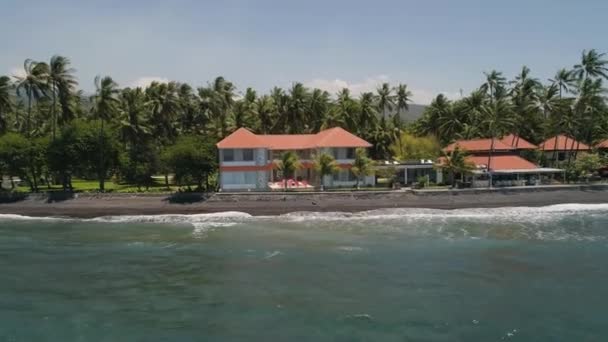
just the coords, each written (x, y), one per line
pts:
(247, 160)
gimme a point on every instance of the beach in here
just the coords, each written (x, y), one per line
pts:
(96, 205)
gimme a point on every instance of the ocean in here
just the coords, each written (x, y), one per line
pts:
(516, 274)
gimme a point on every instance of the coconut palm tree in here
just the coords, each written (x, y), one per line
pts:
(592, 64)
(6, 104)
(294, 119)
(133, 118)
(105, 107)
(498, 121)
(265, 109)
(325, 165)
(455, 162)
(368, 115)
(563, 80)
(319, 106)
(386, 100)
(494, 82)
(61, 82)
(402, 98)
(34, 83)
(288, 165)
(362, 165)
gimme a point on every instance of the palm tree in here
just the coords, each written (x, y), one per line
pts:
(563, 79)
(498, 120)
(325, 165)
(455, 162)
(6, 104)
(61, 83)
(34, 84)
(494, 81)
(319, 106)
(164, 106)
(265, 109)
(362, 165)
(345, 110)
(402, 97)
(592, 64)
(386, 101)
(288, 165)
(105, 107)
(368, 115)
(132, 117)
(296, 115)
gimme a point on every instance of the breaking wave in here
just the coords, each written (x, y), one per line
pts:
(556, 222)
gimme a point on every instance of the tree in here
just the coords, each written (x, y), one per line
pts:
(61, 83)
(6, 105)
(386, 100)
(592, 64)
(411, 147)
(24, 157)
(494, 82)
(325, 165)
(563, 80)
(588, 164)
(105, 107)
(34, 84)
(455, 162)
(288, 165)
(191, 158)
(362, 165)
(498, 121)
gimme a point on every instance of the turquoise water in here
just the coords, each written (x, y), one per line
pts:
(519, 274)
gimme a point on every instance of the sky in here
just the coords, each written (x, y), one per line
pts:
(433, 46)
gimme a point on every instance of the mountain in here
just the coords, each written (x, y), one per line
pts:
(414, 113)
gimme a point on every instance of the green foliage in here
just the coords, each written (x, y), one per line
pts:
(586, 165)
(362, 165)
(77, 150)
(23, 157)
(288, 165)
(410, 147)
(455, 162)
(325, 165)
(192, 159)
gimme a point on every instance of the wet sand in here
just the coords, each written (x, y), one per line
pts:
(87, 206)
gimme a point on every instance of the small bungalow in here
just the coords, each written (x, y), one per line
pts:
(506, 165)
(562, 147)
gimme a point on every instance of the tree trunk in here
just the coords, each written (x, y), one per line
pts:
(54, 112)
(12, 182)
(101, 172)
(490, 162)
(167, 180)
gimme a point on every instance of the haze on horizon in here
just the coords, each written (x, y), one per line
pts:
(433, 46)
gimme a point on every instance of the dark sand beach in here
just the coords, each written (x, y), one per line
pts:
(95, 205)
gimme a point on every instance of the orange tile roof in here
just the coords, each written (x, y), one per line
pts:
(333, 137)
(603, 144)
(479, 145)
(564, 143)
(502, 162)
(518, 142)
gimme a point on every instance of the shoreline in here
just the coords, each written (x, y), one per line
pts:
(258, 204)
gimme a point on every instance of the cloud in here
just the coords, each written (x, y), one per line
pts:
(146, 81)
(420, 96)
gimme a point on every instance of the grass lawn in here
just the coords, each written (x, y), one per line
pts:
(83, 185)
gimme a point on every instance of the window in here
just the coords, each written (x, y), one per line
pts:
(251, 177)
(344, 176)
(228, 155)
(350, 153)
(238, 178)
(561, 156)
(248, 154)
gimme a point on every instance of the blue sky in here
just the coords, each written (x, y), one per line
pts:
(433, 46)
